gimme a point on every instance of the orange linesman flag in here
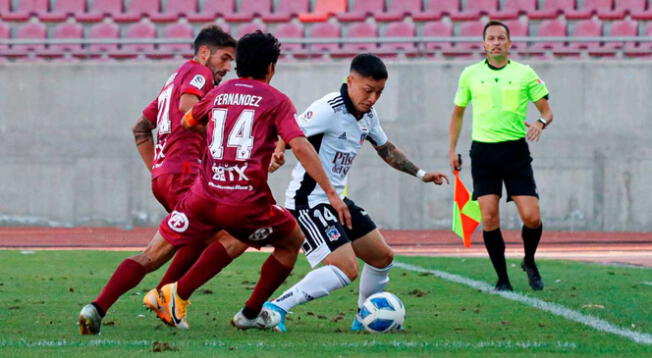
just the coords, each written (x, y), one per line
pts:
(466, 212)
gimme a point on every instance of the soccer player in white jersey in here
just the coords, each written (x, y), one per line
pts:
(337, 125)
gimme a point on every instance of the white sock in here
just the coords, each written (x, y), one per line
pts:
(317, 283)
(372, 280)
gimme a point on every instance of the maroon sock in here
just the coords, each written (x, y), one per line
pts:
(272, 275)
(182, 262)
(212, 260)
(127, 276)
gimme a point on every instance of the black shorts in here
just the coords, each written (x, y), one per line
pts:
(493, 164)
(324, 233)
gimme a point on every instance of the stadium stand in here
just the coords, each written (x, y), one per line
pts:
(249, 28)
(318, 19)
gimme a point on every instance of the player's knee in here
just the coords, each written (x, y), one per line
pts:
(233, 246)
(490, 219)
(532, 220)
(351, 268)
(147, 262)
(383, 260)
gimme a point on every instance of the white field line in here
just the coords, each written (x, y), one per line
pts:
(556, 309)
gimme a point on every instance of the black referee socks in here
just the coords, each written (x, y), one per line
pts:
(493, 241)
(531, 238)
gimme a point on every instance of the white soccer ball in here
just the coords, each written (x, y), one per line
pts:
(382, 312)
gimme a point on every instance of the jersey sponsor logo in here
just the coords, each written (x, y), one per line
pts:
(342, 163)
(261, 234)
(198, 81)
(333, 233)
(227, 172)
(178, 221)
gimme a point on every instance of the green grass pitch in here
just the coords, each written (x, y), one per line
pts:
(42, 292)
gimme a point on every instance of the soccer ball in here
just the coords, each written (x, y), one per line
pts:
(382, 312)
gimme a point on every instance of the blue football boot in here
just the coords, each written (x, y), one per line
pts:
(280, 327)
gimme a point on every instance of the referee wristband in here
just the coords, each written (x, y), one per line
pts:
(421, 173)
(543, 121)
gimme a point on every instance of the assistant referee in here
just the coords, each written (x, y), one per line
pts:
(501, 90)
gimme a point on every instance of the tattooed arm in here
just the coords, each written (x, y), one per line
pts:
(397, 160)
(142, 131)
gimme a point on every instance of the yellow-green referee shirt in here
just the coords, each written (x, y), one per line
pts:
(500, 99)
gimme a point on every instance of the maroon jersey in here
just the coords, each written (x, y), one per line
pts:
(244, 119)
(178, 150)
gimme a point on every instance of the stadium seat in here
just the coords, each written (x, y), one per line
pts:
(5, 7)
(137, 32)
(325, 30)
(103, 31)
(177, 31)
(5, 33)
(175, 9)
(475, 9)
(551, 9)
(64, 8)
(399, 29)
(362, 9)
(550, 28)
(137, 9)
(622, 8)
(27, 8)
(590, 8)
(287, 9)
(249, 28)
(323, 10)
(68, 31)
(100, 9)
(517, 28)
(249, 9)
(358, 30)
(622, 28)
(213, 9)
(290, 30)
(399, 9)
(437, 29)
(644, 49)
(33, 30)
(468, 49)
(583, 28)
(435, 9)
(512, 9)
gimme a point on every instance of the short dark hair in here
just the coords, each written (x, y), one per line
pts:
(368, 65)
(494, 23)
(213, 36)
(255, 52)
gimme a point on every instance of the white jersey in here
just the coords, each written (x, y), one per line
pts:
(337, 136)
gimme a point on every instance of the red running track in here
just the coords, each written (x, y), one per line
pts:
(613, 247)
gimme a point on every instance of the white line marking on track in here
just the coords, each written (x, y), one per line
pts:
(556, 309)
(647, 283)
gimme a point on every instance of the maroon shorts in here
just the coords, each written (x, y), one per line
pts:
(170, 188)
(197, 218)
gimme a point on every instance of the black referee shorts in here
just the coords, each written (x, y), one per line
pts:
(493, 164)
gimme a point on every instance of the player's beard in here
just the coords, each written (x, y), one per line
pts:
(218, 76)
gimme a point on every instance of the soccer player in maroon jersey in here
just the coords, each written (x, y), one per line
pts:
(244, 118)
(174, 163)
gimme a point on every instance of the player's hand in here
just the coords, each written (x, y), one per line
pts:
(342, 210)
(534, 131)
(278, 160)
(435, 177)
(454, 161)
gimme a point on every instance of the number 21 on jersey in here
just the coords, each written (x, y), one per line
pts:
(240, 136)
